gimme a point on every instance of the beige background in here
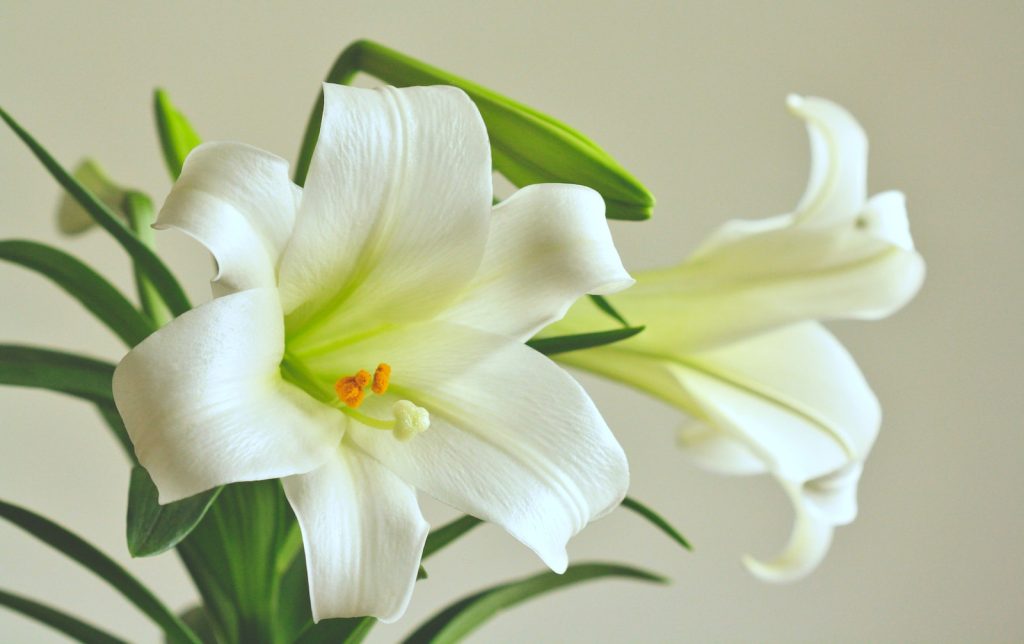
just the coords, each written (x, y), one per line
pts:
(690, 97)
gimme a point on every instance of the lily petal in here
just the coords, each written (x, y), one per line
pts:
(237, 201)
(363, 535)
(808, 543)
(204, 402)
(548, 245)
(513, 439)
(837, 187)
(717, 451)
(395, 212)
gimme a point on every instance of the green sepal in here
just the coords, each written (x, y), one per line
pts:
(657, 520)
(148, 262)
(466, 615)
(177, 138)
(72, 219)
(563, 343)
(84, 284)
(153, 528)
(73, 627)
(527, 146)
(103, 566)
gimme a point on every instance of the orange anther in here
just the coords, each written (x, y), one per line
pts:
(362, 378)
(381, 378)
(350, 391)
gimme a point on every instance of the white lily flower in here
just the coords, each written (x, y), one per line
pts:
(732, 337)
(391, 262)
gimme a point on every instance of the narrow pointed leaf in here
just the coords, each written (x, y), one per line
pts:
(82, 283)
(447, 533)
(147, 260)
(527, 147)
(177, 138)
(461, 618)
(138, 208)
(153, 528)
(102, 565)
(606, 306)
(64, 372)
(563, 343)
(70, 626)
(657, 520)
(108, 411)
(350, 630)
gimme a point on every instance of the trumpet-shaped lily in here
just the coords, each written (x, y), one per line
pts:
(366, 340)
(732, 337)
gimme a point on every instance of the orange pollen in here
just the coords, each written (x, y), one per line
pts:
(381, 378)
(350, 389)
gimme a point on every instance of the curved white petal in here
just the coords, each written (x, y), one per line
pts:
(395, 212)
(205, 405)
(837, 187)
(770, 279)
(718, 451)
(794, 396)
(548, 245)
(885, 217)
(237, 201)
(363, 536)
(513, 439)
(808, 543)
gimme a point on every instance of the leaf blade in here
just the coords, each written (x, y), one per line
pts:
(441, 537)
(469, 613)
(84, 284)
(58, 620)
(153, 528)
(100, 564)
(564, 343)
(657, 520)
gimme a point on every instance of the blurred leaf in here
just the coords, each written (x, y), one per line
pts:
(466, 615)
(527, 147)
(447, 533)
(82, 283)
(563, 343)
(349, 630)
(177, 138)
(149, 263)
(70, 626)
(72, 219)
(103, 566)
(64, 372)
(606, 306)
(657, 520)
(238, 556)
(138, 208)
(154, 528)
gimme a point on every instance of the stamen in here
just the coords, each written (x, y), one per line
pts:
(350, 391)
(381, 378)
(410, 420)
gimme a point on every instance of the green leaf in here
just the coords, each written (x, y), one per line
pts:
(657, 520)
(606, 306)
(64, 372)
(177, 138)
(108, 411)
(563, 343)
(82, 283)
(469, 613)
(349, 630)
(238, 556)
(144, 256)
(154, 528)
(527, 146)
(447, 533)
(70, 626)
(102, 565)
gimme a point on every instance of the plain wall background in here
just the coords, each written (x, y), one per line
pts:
(690, 97)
